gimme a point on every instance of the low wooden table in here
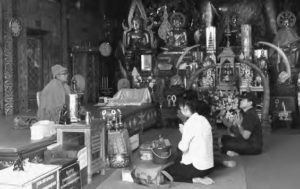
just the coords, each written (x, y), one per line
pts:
(94, 140)
(18, 141)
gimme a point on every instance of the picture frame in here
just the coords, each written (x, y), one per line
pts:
(259, 53)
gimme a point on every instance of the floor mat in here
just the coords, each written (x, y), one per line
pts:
(225, 178)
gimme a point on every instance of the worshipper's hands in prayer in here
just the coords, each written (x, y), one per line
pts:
(238, 120)
(225, 121)
(181, 127)
(181, 116)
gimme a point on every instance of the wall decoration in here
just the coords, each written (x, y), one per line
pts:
(15, 27)
(165, 26)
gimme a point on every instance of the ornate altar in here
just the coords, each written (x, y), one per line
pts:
(135, 119)
(230, 75)
(227, 70)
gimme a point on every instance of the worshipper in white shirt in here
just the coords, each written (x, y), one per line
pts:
(196, 147)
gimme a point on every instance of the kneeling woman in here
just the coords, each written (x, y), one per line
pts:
(195, 147)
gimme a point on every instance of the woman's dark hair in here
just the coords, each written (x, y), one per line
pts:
(191, 103)
(203, 108)
(189, 99)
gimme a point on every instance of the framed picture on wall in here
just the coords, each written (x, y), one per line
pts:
(146, 61)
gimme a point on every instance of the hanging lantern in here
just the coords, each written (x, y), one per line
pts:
(105, 49)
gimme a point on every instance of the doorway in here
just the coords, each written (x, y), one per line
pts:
(34, 53)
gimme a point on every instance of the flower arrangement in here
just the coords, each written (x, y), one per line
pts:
(224, 105)
(144, 82)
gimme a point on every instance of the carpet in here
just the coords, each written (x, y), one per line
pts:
(225, 178)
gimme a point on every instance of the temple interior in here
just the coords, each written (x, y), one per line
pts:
(87, 85)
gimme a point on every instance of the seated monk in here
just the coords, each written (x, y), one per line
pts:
(52, 97)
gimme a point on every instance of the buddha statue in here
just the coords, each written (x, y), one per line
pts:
(137, 43)
(177, 36)
(235, 30)
(137, 38)
(232, 32)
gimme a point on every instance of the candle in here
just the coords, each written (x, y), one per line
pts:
(106, 82)
(246, 35)
(211, 39)
(102, 81)
(283, 105)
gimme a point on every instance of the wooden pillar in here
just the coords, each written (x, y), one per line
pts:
(1, 63)
(8, 67)
(64, 17)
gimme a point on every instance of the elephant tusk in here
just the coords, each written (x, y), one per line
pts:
(282, 54)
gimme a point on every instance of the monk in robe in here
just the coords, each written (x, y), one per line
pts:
(52, 97)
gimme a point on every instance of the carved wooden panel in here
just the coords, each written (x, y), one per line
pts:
(34, 63)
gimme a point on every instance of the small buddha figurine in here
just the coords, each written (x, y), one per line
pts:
(177, 37)
(235, 38)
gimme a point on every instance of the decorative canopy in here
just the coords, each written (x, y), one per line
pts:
(226, 55)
